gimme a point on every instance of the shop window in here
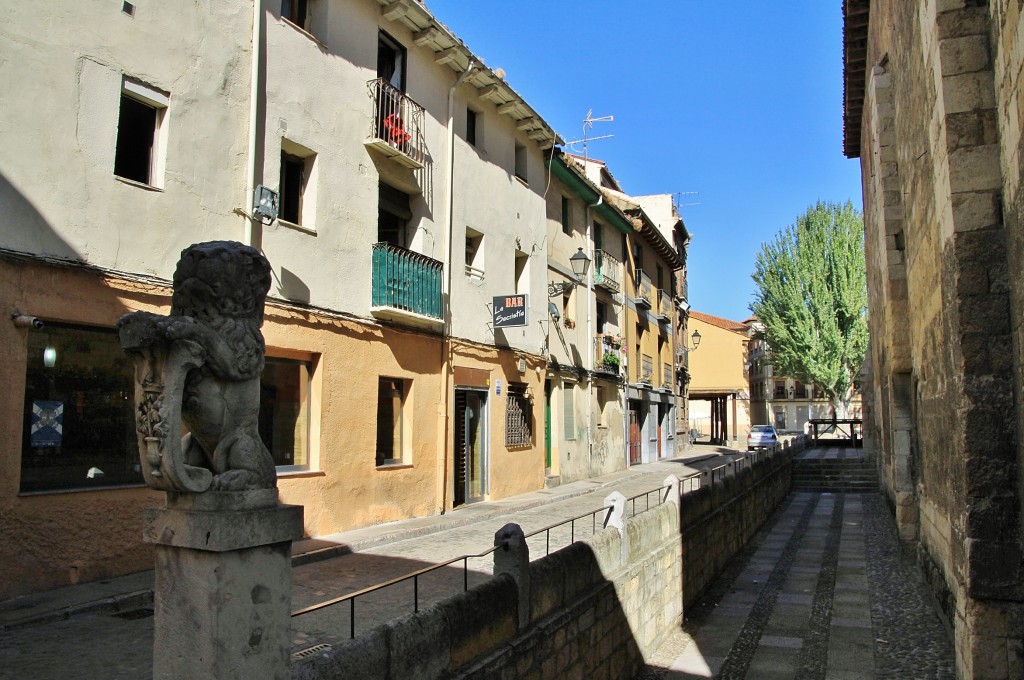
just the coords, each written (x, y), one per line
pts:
(391, 394)
(79, 425)
(518, 417)
(284, 411)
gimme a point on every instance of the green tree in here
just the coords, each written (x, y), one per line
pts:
(812, 300)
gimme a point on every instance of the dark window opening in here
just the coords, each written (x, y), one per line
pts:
(471, 126)
(293, 170)
(136, 128)
(566, 216)
(284, 410)
(390, 396)
(294, 11)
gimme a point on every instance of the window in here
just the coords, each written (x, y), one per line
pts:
(294, 11)
(780, 389)
(598, 236)
(660, 276)
(474, 253)
(471, 127)
(390, 61)
(518, 416)
(284, 410)
(390, 401)
(568, 317)
(566, 216)
(138, 154)
(602, 317)
(297, 184)
(522, 273)
(79, 412)
(568, 411)
(393, 215)
(520, 152)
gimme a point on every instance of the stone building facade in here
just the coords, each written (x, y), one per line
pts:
(934, 109)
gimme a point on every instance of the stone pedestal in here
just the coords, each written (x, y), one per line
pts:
(223, 585)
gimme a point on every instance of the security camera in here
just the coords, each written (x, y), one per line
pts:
(26, 321)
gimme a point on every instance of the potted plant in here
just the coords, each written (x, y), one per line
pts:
(610, 362)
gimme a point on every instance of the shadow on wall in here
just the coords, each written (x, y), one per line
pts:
(26, 230)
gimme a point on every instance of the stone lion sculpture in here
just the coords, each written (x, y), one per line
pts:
(200, 366)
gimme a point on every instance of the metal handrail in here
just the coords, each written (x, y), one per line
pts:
(351, 597)
(692, 480)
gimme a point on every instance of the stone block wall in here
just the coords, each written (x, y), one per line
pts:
(939, 140)
(593, 609)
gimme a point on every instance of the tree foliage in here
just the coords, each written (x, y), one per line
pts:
(812, 299)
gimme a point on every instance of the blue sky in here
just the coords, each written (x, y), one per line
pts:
(740, 102)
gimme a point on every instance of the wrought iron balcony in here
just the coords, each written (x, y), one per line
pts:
(607, 355)
(406, 286)
(644, 291)
(396, 124)
(607, 272)
(664, 312)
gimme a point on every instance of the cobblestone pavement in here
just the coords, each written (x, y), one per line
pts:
(822, 592)
(105, 646)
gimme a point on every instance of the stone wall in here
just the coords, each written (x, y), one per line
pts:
(592, 609)
(939, 143)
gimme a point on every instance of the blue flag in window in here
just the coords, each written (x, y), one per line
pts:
(47, 423)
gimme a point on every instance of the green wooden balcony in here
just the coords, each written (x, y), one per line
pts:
(406, 286)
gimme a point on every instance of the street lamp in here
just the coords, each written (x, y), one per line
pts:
(696, 343)
(580, 264)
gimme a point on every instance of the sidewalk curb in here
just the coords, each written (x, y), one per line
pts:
(111, 605)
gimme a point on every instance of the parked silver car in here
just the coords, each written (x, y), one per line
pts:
(761, 437)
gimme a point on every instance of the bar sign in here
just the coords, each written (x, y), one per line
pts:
(509, 311)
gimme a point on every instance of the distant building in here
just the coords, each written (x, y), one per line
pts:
(779, 400)
(719, 396)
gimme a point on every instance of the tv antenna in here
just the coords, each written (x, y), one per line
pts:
(677, 198)
(588, 124)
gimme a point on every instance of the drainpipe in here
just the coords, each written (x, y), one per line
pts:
(251, 231)
(444, 403)
(590, 332)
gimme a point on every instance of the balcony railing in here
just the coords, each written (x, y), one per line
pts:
(644, 289)
(664, 313)
(396, 125)
(406, 282)
(607, 272)
(607, 355)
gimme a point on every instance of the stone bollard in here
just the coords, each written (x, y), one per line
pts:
(615, 516)
(223, 585)
(672, 491)
(513, 558)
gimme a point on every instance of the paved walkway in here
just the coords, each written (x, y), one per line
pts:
(823, 592)
(103, 630)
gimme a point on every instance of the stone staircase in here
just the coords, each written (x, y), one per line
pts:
(835, 475)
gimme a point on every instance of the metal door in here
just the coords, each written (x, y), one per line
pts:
(471, 455)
